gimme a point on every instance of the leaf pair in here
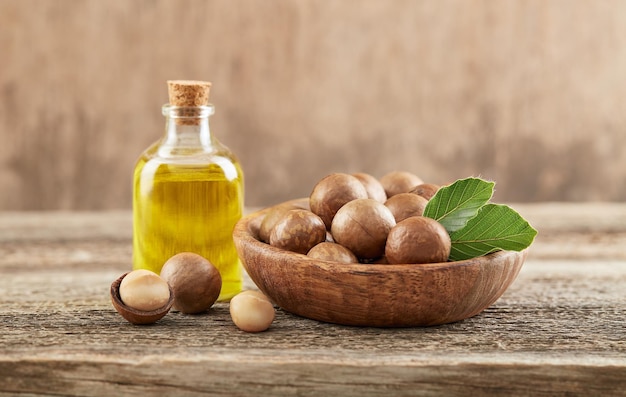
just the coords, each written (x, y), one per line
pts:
(477, 227)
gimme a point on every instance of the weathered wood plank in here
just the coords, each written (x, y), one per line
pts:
(558, 330)
(561, 307)
(215, 375)
(65, 225)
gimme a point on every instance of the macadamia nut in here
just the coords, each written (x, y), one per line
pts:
(252, 311)
(196, 282)
(374, 188)
(426, 190)
(298, 231)
(418, 239)
(362, 226)
(332, 252)
(405, 205)
(144, 290)
(332, 192)
(273, 216)
(399, 182)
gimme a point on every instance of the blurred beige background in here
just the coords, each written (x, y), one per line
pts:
(530, 93)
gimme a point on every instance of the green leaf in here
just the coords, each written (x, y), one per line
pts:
(495, 227)
(454, 205)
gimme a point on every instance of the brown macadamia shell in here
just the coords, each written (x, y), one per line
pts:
(196, 282)
(372, 185)
(332, 192)
(298, 231)
(273, 215)
(362, 226)
(418, 240)
(397, 182)
(426, 190)
(332, 252)
(406, 205)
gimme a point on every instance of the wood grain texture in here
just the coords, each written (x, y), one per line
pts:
(527, 93)
(557, 331)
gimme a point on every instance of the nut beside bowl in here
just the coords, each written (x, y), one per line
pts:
(400, 295)
(133, 315)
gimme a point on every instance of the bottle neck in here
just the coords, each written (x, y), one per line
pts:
(187, 127)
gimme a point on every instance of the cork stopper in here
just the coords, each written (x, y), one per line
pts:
(188, 93)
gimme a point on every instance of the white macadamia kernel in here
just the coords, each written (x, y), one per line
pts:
(252, 311)
(144, 290)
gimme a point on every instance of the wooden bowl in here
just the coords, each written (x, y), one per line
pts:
(401, 295)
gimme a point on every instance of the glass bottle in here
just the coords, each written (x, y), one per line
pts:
(188, 191)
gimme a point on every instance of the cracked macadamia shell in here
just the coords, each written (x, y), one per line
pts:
(418, 240)
(362, 226)
(332, 192)
(134, 315)
(298, 231)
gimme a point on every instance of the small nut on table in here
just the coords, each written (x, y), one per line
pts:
(252, 311)
(196, 282)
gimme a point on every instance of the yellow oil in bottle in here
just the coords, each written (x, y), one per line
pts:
(188, 190)
(179, 207)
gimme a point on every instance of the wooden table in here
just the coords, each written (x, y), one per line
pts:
(559, 330)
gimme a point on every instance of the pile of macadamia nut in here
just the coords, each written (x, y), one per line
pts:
(190, 284)
(356, 218)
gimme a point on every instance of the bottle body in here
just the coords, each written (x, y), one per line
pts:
(188, 198)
